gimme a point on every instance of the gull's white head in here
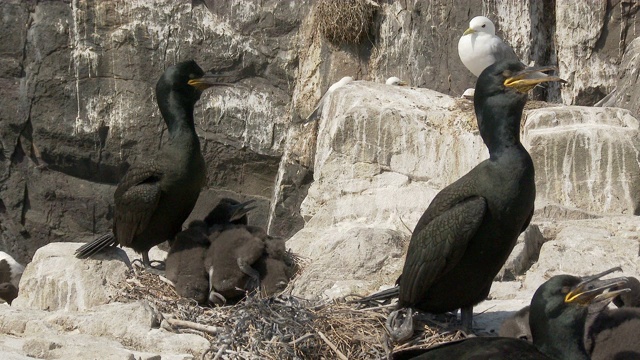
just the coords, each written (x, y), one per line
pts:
(344, 81)
(394, 80)
(481, 24)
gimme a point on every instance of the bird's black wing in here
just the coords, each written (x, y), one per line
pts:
(136, 199)
(438, 246)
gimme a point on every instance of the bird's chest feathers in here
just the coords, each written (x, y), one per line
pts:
(185, 158)
(513, 188)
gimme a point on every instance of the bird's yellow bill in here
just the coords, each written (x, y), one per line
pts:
(468, 31)
(528, 78)
(209, 80)
(593, 290)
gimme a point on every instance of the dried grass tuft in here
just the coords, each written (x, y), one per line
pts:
(280, 327)
(345, 21)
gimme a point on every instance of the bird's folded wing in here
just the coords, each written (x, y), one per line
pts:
(136, 199)
(439, 245)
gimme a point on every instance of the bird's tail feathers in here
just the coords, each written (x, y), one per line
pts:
(383, 295)
(95, 246)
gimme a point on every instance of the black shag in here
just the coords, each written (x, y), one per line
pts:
(609, 333)
(8, 292)
(467, 232)
(156, 196)
(559, 309)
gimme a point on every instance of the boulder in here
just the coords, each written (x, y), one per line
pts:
(56, 279)
(586, 158)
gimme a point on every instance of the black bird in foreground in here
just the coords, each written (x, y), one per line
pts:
(467, 232)
(609, 333)
(155, 197)
(559, 309)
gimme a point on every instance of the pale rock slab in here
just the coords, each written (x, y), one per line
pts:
(586, 158)
(56, 279)
(585, 247)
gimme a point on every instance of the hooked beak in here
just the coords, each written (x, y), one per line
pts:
(241, 210)
(468, 31)
(591, 289)
(216, 79)
(527, 79)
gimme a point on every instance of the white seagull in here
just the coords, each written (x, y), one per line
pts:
(479, 46)
(317, 112)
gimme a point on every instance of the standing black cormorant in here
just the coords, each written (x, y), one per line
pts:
(559, 309)
(156, 196)
(467, 232)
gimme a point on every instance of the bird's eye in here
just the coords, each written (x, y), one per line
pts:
(523, 337)
(507, 73)
(566, 289)
(485, 25)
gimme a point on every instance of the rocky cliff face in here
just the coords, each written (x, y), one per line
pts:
(78, 107)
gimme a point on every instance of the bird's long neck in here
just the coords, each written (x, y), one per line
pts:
(178, 115)
(560, 338)
(499, 124)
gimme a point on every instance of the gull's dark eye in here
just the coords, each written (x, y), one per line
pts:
(485, 25)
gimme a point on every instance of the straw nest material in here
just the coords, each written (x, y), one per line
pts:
(345, 21)
(280, 327)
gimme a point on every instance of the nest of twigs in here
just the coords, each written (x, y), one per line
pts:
(345, 21)
(280, 327)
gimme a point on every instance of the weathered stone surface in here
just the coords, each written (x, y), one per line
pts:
(523, 255)
(583, 247)
(113, 331)
(590, 39)
(627, 92)
(55, 279)
(586, 158)
(77, 96)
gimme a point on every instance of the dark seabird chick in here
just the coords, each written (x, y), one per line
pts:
(275, 266)
(229, 262)
(467, 232)
(630, 298)
(517, 325)
(185, 265)
(185, 262)
(228, 212)
(559, 309)
(614, 334)
(8, 292)
(155, 197)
